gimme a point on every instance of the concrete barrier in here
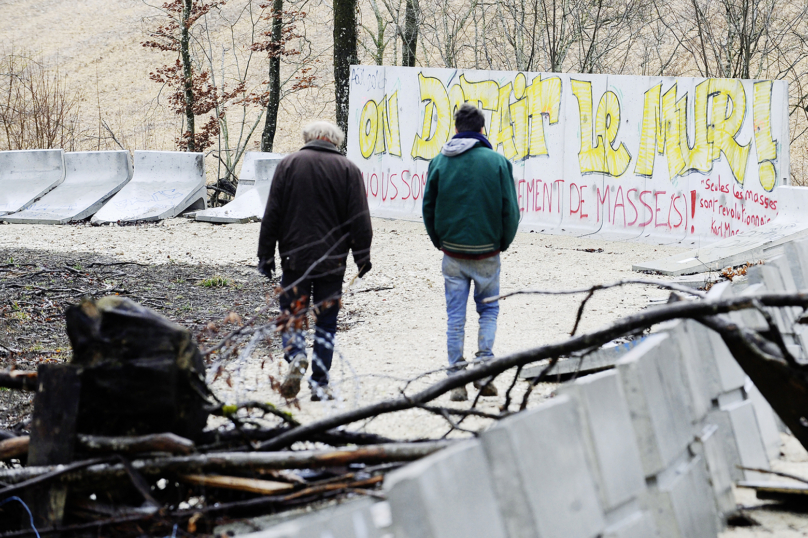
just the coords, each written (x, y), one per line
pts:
(708, 446)
(659, 409)
(608, 437)
(354, 519)
(251, 199)
(749, 246)
(681, 500)
(741, 439)
(612, 452)
(797, 254)
(448, 494)
(542, 479)
(164, 184)
(573, 174)
(27, 175)
(250, 176)
(91, 178)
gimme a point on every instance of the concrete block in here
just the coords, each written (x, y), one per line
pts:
(608, 437)
(767, 422)
(91, 178)
(27, 175)
(770, 275)
(543, 482)
(796, 252)
(699, 367)
(353, 519)
(164, 184)
(681, 503)
(740, 438)
(248, 178)
(708, 445)
(251, 197)
(751, 318)
(752, 245)
(639, 524)
(445, 495)
(660, 411)
(778, 268)
(730, 375)
(600, 359)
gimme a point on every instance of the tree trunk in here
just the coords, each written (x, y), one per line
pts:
(187, 74)
(345, 54)
(410, 34)
(274, 98)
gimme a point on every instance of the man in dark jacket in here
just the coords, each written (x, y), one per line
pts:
(317, 211)
(471, 214)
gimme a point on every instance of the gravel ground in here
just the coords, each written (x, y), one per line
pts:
(391, 326)
(392, 323)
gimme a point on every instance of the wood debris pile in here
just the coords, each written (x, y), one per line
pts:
(117, 444)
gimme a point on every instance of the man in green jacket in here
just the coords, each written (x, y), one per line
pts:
(471, 214)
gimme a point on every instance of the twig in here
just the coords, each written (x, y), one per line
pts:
(102, 264)
(227, 410)
(98, 469)
(581, 307)
(507, 404)
(777, 473)
(643, 282)
(49, 474)
(776, 335)
(641, 320)
(9, 348)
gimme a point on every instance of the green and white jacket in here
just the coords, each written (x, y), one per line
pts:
(470, 205)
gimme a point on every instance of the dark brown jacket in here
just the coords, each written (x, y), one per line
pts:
(317, 211)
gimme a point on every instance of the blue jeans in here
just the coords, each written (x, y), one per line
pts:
(325, 293)
(458, 274)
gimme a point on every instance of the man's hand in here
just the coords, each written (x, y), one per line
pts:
(364, 269)
(266, 266)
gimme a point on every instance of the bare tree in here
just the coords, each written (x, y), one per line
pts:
(38, 109)
(444, 27)
(345, 54)
(378, 35)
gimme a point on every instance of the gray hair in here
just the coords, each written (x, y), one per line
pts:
(323, 130)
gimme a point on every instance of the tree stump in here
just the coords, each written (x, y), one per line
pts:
(140, 372)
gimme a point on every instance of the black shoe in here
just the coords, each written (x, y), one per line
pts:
(321, 393)
(291, 383)
(486, 389)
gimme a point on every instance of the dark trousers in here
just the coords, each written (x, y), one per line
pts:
(325, 297)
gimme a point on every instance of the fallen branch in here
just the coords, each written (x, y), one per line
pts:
(158, 442)
(597, 287)
(777, 473)
(14, 447)
(639, 321)
(223, 461)
(252, 485)
(8, 348)
(44, 474)
(268, 408)
(18, 379)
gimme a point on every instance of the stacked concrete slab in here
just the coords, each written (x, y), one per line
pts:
(355, 519)
(649, 448)
(164, 184)
(678, 495)
(252, 192)
(91, 178)
(757, 244)
(26, 176)
(612, 453)
(542, 481)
